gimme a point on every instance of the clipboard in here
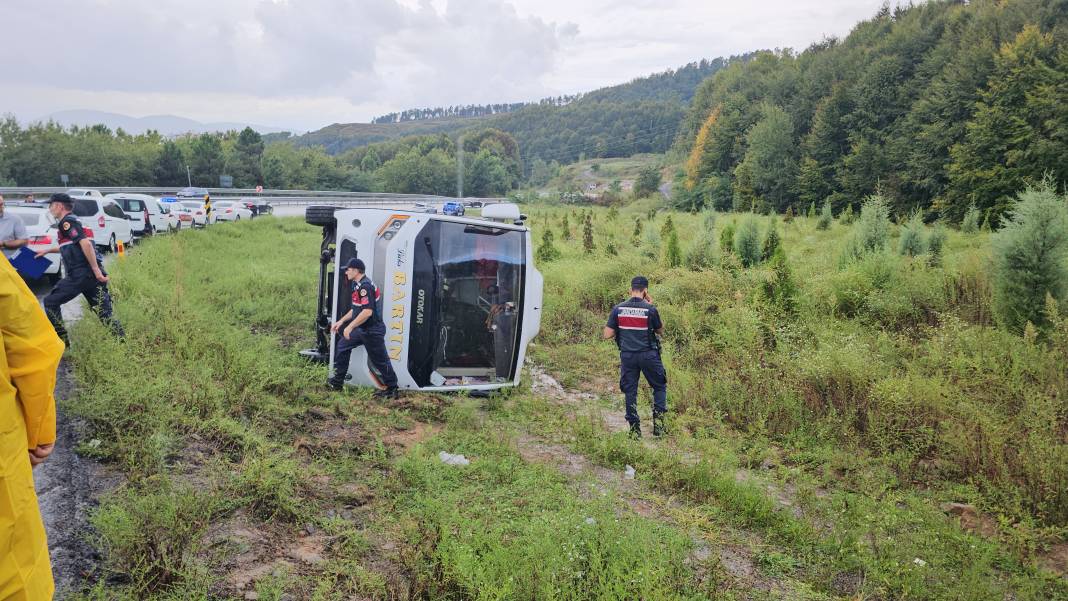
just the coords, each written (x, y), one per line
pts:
(28, 265)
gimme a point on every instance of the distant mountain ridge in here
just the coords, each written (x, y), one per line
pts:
(167, 125)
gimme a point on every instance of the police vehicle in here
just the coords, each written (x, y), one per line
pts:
(460, 297)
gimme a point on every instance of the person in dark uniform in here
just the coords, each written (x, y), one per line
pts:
(84, 268)
(635, 324)
(365, 326)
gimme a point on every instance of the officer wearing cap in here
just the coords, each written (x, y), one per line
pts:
(365, 326)
(635, 324)
(84, 269)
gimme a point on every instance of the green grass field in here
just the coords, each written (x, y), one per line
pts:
(813, 443)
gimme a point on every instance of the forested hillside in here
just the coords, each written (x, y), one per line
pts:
(639, 116)
(938, 106)
(673, 84)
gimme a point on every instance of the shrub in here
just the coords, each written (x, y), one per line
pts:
(780, 289)
(668, 227)
(610, 248)
(747, 242)
(789, 215)
(673, 254)
(812, 210)
(648, 182)
(547, 252)
(726, 238)
(826, 217)
(848, 216)
(587, 235)
(970, 223)
(708, 220)
(872, 229)
(651, 243)
(936, 240)
(637, 235)
(565, 232)
(771, 241)
(1029, 258)
(702, 252)
(911, 243)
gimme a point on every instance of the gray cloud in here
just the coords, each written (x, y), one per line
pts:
(306, 63)
(357, 50)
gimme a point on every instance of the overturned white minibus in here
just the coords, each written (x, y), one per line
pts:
(460, 296)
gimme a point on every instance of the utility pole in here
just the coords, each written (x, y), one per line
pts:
(188, 177)
(460, 167)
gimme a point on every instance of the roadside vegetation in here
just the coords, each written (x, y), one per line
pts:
(849, 419)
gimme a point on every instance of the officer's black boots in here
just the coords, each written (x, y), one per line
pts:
(658, 426)
(388, 393)
(334, 384)
(635, 431)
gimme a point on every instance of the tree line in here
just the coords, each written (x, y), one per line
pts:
(470, 110)
(39, 154)
(939, 106)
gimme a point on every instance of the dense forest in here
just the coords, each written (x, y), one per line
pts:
(938, 106)
(676, 85)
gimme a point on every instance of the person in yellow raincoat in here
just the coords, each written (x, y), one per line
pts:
(31, 353)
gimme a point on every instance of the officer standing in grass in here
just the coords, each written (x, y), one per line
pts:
(366, 327)
(635, 324)
(84, 268)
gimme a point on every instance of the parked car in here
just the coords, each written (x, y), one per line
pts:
(474, 204)
(422, 207)
(229, 210)
(183, 213)
(85, 192)
(38, 227)
(200, 216)
(192, 192)
(143, 212)
(104, 220)
(456, 209)
(168, 217)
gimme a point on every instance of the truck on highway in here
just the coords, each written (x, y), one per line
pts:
(460, 297)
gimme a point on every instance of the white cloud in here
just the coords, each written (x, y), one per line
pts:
(307, 63)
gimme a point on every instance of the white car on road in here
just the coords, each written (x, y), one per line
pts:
(85, 192)
(200, 219)
(169, 220)
(40, 232)
(106, 221)
(226, 210)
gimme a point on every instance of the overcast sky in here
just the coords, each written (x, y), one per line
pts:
(303, 64)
